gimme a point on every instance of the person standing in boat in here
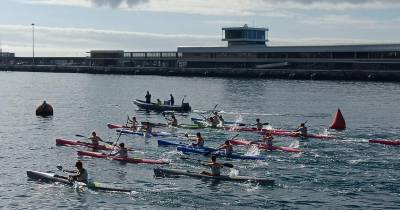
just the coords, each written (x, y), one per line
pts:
(121, 151)
(171, 100)
(302, 130)
(80, 175)
(215, 167)
(95, 139)
(148, 97)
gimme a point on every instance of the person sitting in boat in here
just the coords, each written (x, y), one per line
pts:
(259, 125)
(267, 139)
(227, 147)
(134, 123)
(173, 121)
(302, 130)
(171, 100)
(147, 128)
(121, 151)
(216, 117)
(221, 121)
(148, 97)
(80, 175)
(95, 139)
(199, 140)
(159, 102)
(215, 167)
(213, 123)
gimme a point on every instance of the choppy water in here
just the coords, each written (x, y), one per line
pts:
(344, 173)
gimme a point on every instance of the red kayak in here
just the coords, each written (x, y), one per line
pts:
(65, 142)
(264, 146)
(253, 129)
(115, 126)
(126, 160)
(385, 141)
(292, 134)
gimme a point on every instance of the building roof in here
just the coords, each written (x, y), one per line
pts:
(284, 49)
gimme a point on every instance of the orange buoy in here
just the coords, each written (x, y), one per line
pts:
(338, 122)
(44, 110)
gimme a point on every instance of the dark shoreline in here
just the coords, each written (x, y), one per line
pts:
(296, 74)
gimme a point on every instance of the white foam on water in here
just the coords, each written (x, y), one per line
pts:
(295, 144)
(233, 172)
(253, 151)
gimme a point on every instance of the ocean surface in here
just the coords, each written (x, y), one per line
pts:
(347, 172)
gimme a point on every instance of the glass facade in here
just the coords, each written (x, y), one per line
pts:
(244, 34)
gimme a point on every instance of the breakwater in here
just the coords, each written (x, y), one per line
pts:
(302, 74)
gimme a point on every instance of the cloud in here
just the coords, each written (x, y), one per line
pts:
(58, 41)
(117, 3)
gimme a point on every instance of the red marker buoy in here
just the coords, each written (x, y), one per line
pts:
(44, 110)
(338, 122)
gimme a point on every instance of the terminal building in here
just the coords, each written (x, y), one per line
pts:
(246, 48)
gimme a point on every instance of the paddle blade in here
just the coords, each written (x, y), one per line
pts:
(59, 167)
(78, 135)
(228, 165)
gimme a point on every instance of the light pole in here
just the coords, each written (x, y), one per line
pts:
(33, 44)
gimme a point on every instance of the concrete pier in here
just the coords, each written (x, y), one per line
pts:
(301, 74)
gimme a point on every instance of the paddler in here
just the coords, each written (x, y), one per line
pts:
(121, 151)
(95, 139)
(199, 140)
(215, 167)
(80, 175)
(148, 97)
(213, 123)
(259, 125)
(227, 147)
(302, 130)
(134, 123)
(221, 121)
(147, 129)
(173, 121)
(267, 139)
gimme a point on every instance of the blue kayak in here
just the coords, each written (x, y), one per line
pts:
(201, 150)
(141, 133)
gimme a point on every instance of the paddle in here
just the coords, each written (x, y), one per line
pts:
(116, 142)
(208, 153)
(78, 135)
(224, 164)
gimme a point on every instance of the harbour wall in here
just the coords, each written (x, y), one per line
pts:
(301, 74)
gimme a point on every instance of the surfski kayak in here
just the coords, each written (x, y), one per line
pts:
(141, 133)
(65, 142)
(202, 150)
(264, 146)
(203, 121)
(385, 142)
(121, 159)
(291, 134)
(93, 185)
(161, 172)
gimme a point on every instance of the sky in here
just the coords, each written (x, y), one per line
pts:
(74, 27)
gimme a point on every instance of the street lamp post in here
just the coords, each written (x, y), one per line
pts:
(33, 44)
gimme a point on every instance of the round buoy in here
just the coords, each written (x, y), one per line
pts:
(338, 122)
(44, 110)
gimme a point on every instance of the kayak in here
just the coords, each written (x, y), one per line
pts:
(184, 107)
(65, 142)
(253, 129)
(114, 126)
(264, 146)
(51, 177)
(203, 121)
(141, 133)
(167, 143)
(161, 172)
(125, 160)
(291, 134)
(202, 150)
(385, 141)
